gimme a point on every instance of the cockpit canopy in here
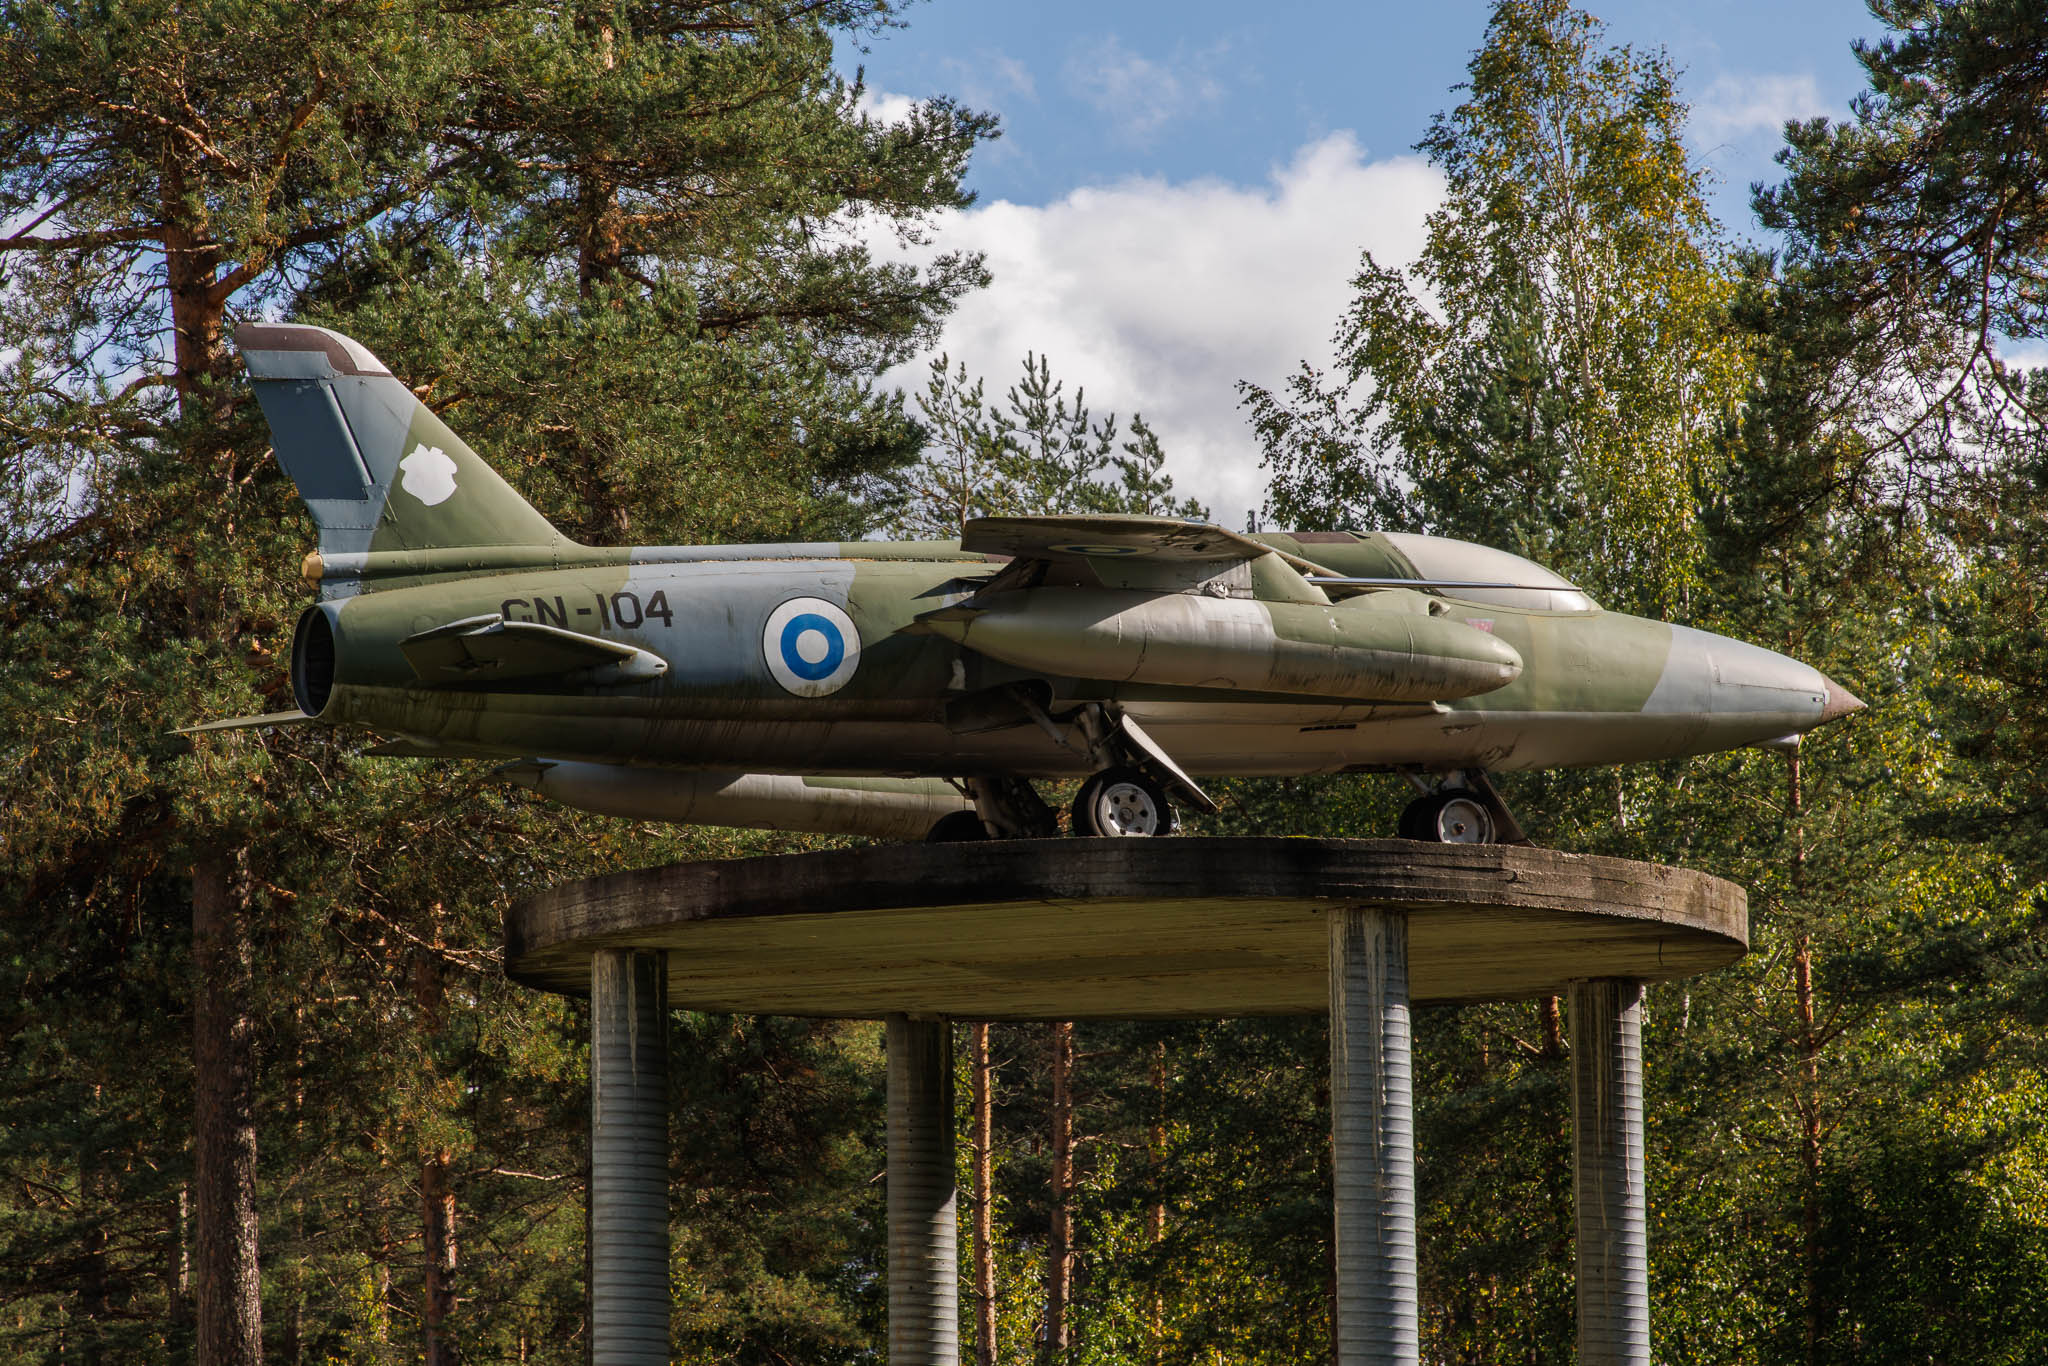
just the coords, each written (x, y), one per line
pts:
(1440, 558)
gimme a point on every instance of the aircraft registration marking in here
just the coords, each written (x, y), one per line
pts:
(627, 611)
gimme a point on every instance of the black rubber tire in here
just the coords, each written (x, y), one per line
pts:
(1455, 815)
(1122, 802)
(956, 827)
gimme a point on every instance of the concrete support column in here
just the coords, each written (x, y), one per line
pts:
(924, 1266)
(629, 1295)
(1373, 1130)
(1607, 1173)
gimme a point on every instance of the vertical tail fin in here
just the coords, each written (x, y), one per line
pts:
(392, 490)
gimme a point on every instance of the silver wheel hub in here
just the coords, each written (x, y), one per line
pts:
(1126, 809)
(1464, 821)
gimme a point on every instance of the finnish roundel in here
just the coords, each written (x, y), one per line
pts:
(811, 647)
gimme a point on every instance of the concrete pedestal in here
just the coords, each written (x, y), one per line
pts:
(1607, 1173)
(1062, 929)
(1373, 1132)
(924, 1265)
(629, 1295)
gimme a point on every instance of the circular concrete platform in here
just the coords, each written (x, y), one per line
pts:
(1122, 928)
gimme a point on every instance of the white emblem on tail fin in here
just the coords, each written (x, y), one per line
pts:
(429, 474)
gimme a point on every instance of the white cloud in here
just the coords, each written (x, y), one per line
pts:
(884, 106)
(1138, 96)
(1738, 107)
(1159, 297)
(2023, 355)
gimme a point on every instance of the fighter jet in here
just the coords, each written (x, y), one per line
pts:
(915, 689)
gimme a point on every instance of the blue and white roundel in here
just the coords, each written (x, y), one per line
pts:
(811, 647)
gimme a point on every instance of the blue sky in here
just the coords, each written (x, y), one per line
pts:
(1097, 92)
(1182, 191)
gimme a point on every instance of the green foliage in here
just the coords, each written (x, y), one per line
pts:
(1034, 454)
(1920, 232)
(610, 244)
(1556, 365)
(613, 245)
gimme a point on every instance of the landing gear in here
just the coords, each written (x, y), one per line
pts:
(1123, 801)
(1461, 808)
(1452, 816)
(1010, 808)
(957, 827)
(1128, 794)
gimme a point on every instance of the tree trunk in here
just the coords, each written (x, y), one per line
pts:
(438, 1199)
(1807, 1098)
(1156, 1217)
(437, 1194)
(600, 246)
(1059, 1250)
(1326, 1180)
(981, 1144)
(94, 1305)
(179, 1276)
(1553, 1029)
(230, 1299)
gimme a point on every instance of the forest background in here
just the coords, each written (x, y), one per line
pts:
(266, 1095)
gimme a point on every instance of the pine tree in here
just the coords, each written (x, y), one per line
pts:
(1034, 454)
(688, 358)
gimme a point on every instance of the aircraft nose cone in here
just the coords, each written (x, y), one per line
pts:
(1839, 702)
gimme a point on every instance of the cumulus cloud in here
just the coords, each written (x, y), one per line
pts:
(884, 106)
(2024, 355)
(1137, 96)
(1738, 107)
(1159, 297)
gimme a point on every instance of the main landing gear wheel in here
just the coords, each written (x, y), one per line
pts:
(956, 827)
(1452, 816)
(1123, 801)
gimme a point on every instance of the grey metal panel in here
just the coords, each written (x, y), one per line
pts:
(924, 1268)
(1373, 1139)
(288, 364)
(314, 445)
(713, 641)
(1607, 1173)
(629, 1293)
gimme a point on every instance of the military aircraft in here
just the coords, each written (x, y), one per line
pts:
(914, 689)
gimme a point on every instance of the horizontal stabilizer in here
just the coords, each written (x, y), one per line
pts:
(489, 649)
(293, 717)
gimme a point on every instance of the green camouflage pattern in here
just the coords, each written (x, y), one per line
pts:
(1236, 654)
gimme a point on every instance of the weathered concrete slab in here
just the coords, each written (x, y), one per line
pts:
(1129, 928)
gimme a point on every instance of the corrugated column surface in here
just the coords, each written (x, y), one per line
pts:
(629, 1296)
(1373, 1131)
(924, 1276)
(1607, 1173)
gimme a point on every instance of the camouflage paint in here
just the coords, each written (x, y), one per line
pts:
(1243, 667)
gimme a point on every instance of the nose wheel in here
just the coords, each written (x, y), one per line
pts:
(1123, 801)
